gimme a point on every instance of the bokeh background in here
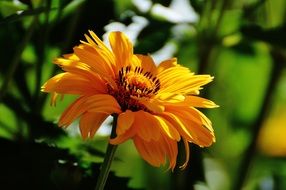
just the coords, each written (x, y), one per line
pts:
(240, 42)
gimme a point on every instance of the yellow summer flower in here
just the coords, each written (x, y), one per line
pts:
(156, 105)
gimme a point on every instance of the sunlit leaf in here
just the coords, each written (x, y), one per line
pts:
(11, 7)
(72, 6)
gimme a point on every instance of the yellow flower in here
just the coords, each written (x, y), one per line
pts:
(156, 105)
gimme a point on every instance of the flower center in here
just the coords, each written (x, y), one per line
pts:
(137, 82)
(134, 84)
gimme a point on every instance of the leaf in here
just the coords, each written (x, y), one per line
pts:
(72, 6)
(22, 14)
(10, 7)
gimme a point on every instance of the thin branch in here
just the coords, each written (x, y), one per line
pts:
(17, 58)
(278, 62)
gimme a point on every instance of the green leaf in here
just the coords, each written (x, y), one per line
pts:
(72, 7)
(8, 123)
(23, 14)
(10, 7)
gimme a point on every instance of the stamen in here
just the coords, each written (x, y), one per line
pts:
(134, 83)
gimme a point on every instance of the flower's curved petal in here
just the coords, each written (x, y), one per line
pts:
(107, 53)
(128, 134)
(100, 103)
(72, 112)
(150, 151)
(187, 153)
(146, 126)
(171, 151)
(167, 64)
(167, 128)
(124, 122)
(199, 102)
(70, 83)
(71, 56)
(103, 103)
(191, 127)
(152, 104)
(187, 108)
(71, 63)
(90, 122)
(168, 97)
(205, 121)
(192, 113)
(192, 101)
(147, 63)
(54, 97)
(155, 152)
(179, 125)
(179, 80)
(96, 60)
(121, 47)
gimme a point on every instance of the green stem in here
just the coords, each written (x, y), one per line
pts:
(245, 165)
(17, 58)
(105, 167)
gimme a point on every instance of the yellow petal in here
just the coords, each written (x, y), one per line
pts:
(146, 126)
(152, 104)
(206, 122)
(167, 64)
(191, 128)
(200, 102)
(124, 122)
(121, 47)
(171, 149)
(102, 46)
(76, 67)
(168, 97)
(168, 128)
(150, 151)
(147, 63)
(90, 122)
(71, 56)
(98, 62)
(54, 98)
(101, 103)
(155, 152)
(187, 153)
(180, 80)
(70, 65)
(72, 112)
(69, 83)
(179, 125)
(129, 134)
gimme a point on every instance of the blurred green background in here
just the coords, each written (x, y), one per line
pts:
(240, 42)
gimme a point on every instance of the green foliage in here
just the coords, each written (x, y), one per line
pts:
(240, 43)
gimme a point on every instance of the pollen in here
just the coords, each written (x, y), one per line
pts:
(132, 84)
(137, 82)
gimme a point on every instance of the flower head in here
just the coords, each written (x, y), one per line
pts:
(156, 105)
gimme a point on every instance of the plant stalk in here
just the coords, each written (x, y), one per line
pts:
(110, 152)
